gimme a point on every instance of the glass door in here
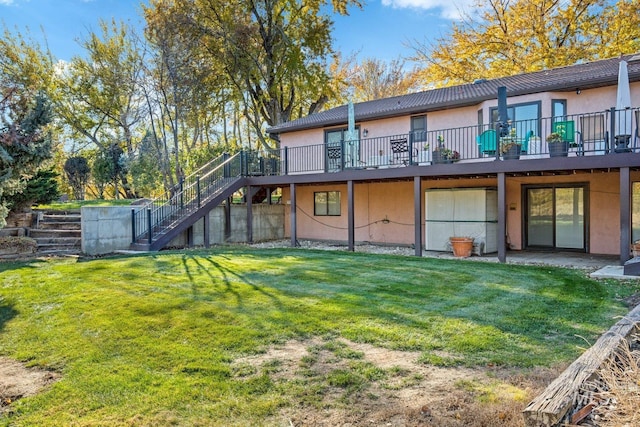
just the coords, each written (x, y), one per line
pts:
(555, 218)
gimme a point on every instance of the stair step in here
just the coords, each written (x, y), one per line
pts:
(59, 225)
(36, 233)
(58, 240)
(61, 218)
(48, 248)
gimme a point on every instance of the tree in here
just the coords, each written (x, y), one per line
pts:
(100, 96)
(375, 79)
(516, 36)
(273, 52)
(78, 172)
(41, 189)
(24, 142)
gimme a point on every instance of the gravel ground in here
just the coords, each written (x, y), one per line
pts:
(574, 260)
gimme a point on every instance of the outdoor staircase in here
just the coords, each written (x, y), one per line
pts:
(155, 224)
(57, 233)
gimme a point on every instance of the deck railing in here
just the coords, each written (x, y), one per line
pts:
(597, 133)
(151, 219)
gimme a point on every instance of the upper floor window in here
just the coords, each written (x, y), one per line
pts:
(523, 117)
(418, 128)
(559, 110)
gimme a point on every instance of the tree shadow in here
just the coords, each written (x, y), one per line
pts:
(207, 265)
(7, 312)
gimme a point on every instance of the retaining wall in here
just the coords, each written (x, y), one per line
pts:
(108, 229)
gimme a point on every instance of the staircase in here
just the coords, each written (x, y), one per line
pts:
(57, 233)
(159, 221)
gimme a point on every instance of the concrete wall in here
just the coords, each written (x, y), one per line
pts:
(108, 229)
(105, 229)
(268, 224)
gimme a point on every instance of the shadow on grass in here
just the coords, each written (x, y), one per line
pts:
(225, 275)
(7, 312)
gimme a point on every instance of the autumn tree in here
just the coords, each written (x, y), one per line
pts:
(506, 37)
(275, 53)
(375, 79)
(99, 96)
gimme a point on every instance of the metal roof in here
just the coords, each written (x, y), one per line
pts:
(570, 78)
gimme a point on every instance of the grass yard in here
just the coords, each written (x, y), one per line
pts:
(77, 204)
(182, 338)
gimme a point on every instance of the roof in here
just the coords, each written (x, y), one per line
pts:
(570, 78)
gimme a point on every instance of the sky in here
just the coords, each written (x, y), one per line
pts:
(382, 29)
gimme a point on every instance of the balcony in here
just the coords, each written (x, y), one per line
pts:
(592, 134)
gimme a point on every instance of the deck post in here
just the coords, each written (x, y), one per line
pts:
(207, 224)
(227, 219)
(249, 214)
(625, 215)
(149, 230)
(133, 225)
(350, 216)
(417, 215)
(292, 219)
(502, 217)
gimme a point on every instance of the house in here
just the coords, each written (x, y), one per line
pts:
(420, 167)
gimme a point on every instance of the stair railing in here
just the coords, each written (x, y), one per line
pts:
(195, 189)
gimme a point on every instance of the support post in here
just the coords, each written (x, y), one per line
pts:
(417, 215)
(609, 139)
(249, 214)
(502, 217)
(149, 225)
(227, 220)
(625, 214)
(207, 226)
(133, 225)
(198, 190)
(350, 216)
(292, 219)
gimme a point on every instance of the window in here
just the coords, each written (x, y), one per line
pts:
(525, 117)
(559, 110)
(326, 203)
(418, 128)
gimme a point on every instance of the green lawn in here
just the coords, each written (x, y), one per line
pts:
(77, 204)
(151, 340)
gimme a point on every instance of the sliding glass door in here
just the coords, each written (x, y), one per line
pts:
(555, 217)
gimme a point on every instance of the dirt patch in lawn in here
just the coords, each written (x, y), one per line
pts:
(18, 381)
(342, 383)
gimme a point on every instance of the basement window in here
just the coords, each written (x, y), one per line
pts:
(326, 203)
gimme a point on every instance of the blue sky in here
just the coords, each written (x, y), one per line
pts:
(380, 30)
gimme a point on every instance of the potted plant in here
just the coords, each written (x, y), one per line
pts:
(510, 147)
(443, 154)
(558, 147)
(462, 246)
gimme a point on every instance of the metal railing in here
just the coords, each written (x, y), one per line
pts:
(152, 219)
(596, 133)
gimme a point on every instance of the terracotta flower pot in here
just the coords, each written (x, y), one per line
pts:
(462, 246)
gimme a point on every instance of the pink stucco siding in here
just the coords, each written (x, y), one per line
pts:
(384, 210)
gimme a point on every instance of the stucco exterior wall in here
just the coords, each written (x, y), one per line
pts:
(588, 100)
(384, 210)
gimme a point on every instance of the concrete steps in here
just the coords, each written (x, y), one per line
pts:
(58, 233)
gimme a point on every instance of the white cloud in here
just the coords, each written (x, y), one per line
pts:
(449, 9)
(6, 2)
